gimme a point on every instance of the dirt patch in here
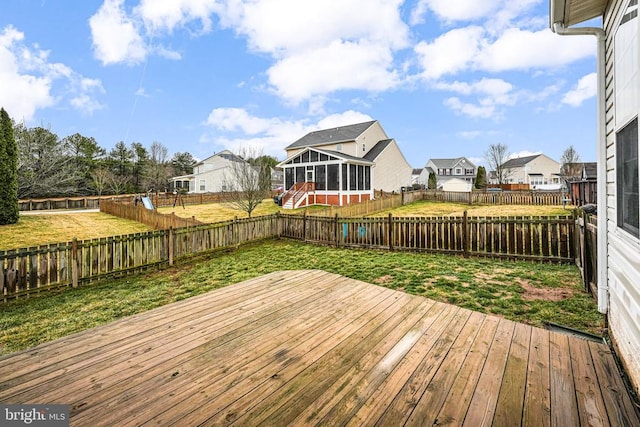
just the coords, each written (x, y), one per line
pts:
(383, 279)
(545, 294)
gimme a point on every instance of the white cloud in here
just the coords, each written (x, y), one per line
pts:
(337, 66)
(473, 49)
(322, 47)
(518, 49)
(458, 10)
(282, 27)
(450, 53)
(237, 128)
(486, 111)
(115, 35)
(161, 16)
(585, 89)
(30, 81)
(491, 93)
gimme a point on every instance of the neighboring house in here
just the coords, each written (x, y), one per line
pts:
(210, 175)
(343, 165)
(420, 176)
(277, 178)
(618, 91)
(539, 171)
(459, 168)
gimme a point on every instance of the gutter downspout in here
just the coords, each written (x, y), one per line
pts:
(602, 263)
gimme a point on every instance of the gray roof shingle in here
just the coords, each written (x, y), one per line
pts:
(377, 149)
(333, 135)
(519, 161)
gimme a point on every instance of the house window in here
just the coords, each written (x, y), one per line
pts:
(314, 156)
(344, 177)
(364, 147)
(321, 178)
(367, 178)
(300, 174)
(339, 147)
(305, 157)
(333, 180)
(626, 66)
(627, 178)
(360, 177)
(353, 183)
(448, 171)
(288, 178)
(202, 185)
(469, 172)
(458, 171)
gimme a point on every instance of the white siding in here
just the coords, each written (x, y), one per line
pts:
(623, 275)
(392, 170)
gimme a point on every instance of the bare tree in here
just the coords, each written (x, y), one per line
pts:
(496, 156)
(249, 182)
(571, 167)
(100, 179)
(159, 167)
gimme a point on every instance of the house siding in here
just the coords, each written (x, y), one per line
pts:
(542, 164)
(392, 170)
(623, 275)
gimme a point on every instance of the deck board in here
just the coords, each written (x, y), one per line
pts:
(315, 348)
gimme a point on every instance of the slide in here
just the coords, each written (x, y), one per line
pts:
(146, 201)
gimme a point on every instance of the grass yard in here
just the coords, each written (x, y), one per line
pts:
(42, 229)
(427, 208)
(521, 291)
(214, 212)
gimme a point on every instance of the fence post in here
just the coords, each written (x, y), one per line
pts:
(465, 235)
(390, 231)
(236, 233)
(337, 232)
(277, 224)
(304, 226)
(170, 244)
(74, 263)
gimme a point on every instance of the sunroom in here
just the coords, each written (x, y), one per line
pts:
(314, 176)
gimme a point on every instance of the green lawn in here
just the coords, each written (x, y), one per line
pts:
(521, 291)
(42, 229)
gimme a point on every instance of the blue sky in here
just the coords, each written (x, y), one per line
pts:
(444, 78)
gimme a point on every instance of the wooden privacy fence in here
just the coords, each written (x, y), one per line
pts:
(383, 201)
(31, 270)
(530, 238)
(146, 216)
(28, 270)
(586, 250)
(551, 198)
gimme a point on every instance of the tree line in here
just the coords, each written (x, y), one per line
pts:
(76, 165)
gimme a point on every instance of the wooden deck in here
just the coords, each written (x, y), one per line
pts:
(314, 348)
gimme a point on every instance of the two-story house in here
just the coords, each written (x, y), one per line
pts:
(539, 171)
(210, 175)
(343, 165)
(457, 174)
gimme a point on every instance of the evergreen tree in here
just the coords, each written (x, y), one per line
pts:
(481, 178)
(432, 183)
(9, 210)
